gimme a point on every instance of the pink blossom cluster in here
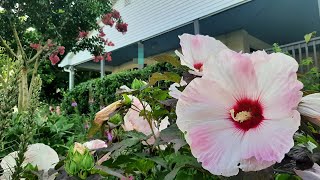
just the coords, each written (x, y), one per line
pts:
(54, 58)
(106, 56)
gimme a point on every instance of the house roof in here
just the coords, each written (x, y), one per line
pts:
(150, 18)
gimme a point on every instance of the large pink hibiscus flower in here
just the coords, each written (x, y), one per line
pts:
(197, 50)
(241, 114)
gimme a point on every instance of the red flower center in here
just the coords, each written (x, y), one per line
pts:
(198, 66)
(247, 114)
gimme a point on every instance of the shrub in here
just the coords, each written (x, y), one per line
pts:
(102, 91)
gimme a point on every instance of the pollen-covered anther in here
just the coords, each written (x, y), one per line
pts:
(240, 116)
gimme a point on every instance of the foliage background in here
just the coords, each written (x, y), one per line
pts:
(102, 91)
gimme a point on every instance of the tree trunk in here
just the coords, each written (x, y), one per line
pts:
(24, 88)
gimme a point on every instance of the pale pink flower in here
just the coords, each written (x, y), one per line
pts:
(132, 120)
(95, 144)
(197, 50)
(241, 114)
(309, 174)
(40, 155)
(173, 89)
(310, 108)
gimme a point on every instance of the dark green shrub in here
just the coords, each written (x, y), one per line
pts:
(102, 91)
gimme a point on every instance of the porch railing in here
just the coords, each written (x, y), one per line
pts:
(301, 50)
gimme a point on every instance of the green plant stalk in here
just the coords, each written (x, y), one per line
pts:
(150, 124)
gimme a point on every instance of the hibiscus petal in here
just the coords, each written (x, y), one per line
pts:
(202, 101)
(198, 49)
(164, 123)
(278, 84)
(41, 155)
(233, 72)
(271, 140)
(95, 144)
(252, 164)
(218, 148)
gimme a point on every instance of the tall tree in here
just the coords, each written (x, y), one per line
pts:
(36, 30)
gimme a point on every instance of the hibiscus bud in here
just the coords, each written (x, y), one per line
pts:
(87, 161)
(79, 161)
(79, 148)
(71, 167)
(309, 107)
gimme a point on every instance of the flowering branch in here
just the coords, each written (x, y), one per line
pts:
(37, 54)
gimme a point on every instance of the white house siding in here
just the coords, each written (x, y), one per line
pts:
(149, 18)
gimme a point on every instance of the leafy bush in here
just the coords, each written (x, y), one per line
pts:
(57, 131)
(102, 91)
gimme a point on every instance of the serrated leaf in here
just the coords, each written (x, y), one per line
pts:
(105, 171)
(137, 135)
(170, 133)
(159, 161)
(308, 37)
(169, 76)
(167, 58)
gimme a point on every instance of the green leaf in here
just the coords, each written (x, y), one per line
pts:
(105, 171)
(169, 76)
(286, 177)
(308, 37)
(61, 11)
(143, 165)
(173, 173)
(159, 161)
(127, 100)
(168, 58)
(276, 48)
(306, 62)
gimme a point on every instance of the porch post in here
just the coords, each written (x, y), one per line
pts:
(71, 77)
(196, 26)
(102, 68)
(140, 55)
